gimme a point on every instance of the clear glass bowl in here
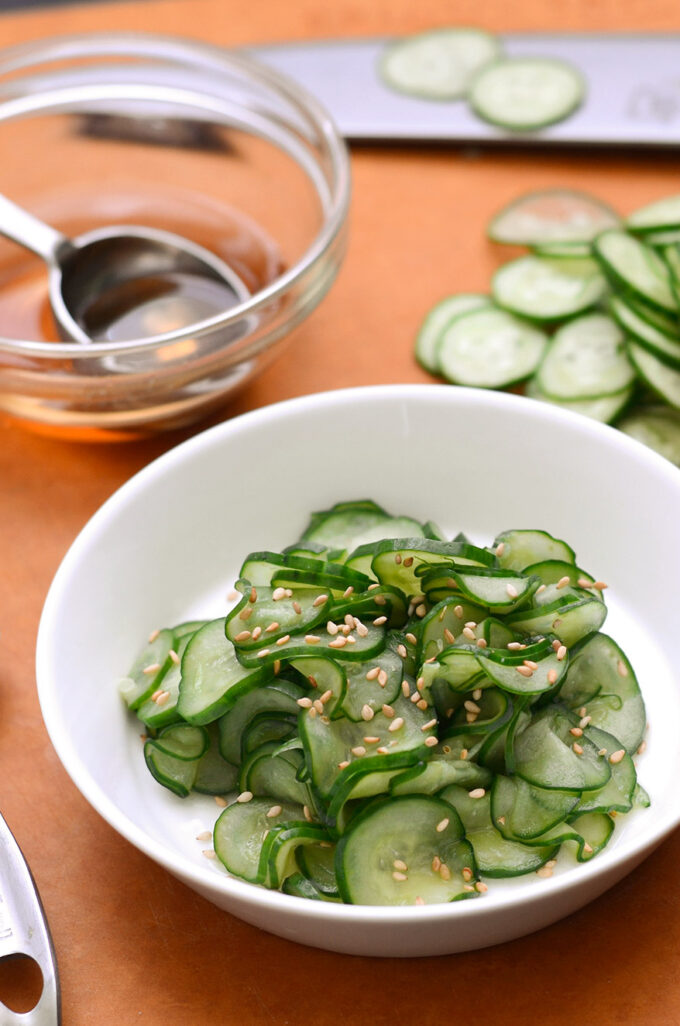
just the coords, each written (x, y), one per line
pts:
(204, 142)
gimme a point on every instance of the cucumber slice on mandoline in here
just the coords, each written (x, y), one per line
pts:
(552, 217)
(636, 268)
(437, 65)
(386, 857)
(490, 349)
(439, 317)
(662, 215)
(587, 359)
(657, 427)
(546, 289)
(526, 93)
(605, 409)
(662, 379)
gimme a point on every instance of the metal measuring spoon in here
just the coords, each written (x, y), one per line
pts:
(24, 931)
(100, 277)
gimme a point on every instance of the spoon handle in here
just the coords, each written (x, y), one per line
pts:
(20, 226)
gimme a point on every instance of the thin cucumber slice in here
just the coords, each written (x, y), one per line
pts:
(161, 708)
(634, 267)
(148, 670)
(510, 673)
(562, 250)
(442, 770)
(348, 525)
(372, 684)
(586, 360)
(570, 621)
(518, 549)
(526, 93)
(215, 775)
(594, 829)
(546, 757)
(178, 775)
(646, 334)
(409, 831)
(271, 772)
(437, 65)
(212, 676)
(523, 812)
(276, 697)
(320, 642)
(401, 562)
(490, 349)
(251, 625)
(300, 887)
(552, 217)
(317, 864)
(662, 215)
(657, 427)
(444, 622)
(183, 741)
(605, 409)
(618, 793)
(240, 832)
(662, 379)
(439, 317)
(547, 289)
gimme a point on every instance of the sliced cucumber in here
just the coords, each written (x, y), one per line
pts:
(660, 216)
(439, 317)
(655, 426)
(666, 347)
(662, 379)
(605, 409)
(550, 217)
(439, 64)
(526, 93)
(490, 349)
(586, 360)
(547, 289)
(631, 265)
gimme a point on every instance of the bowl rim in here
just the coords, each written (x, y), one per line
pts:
(159, 48)
(631, 849)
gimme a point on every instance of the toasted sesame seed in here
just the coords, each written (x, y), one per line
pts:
(531, 664)
(245, 612)
(328, 694)
(242, 636)
(338, 642)
(401, 865)
(449, 636)
(411, 638)
(361, 629)
(468, 887)
(380, 600)
(588, 848)
(307, 813)
(396, 875)
(278, 594)
(151, 668)
(600, 585)
(471, 706)
(208, 853)
(343, 765)
(397, 558)
(641, 748)
(359, 750)
(616, 757)
(458, 611)
(220, 801)
(463, 754)
(622, 669)
(408, 561)
(583, 582)
(154, 634)
(348, 591)
(561, 652)
(469, 633)
(431, 741)
(320, 600)
(373, 673)
(381, 751)
(577, 748)
(481, 887)
(405, 688)
(442, 825)
(351, 640)
(602, 752)
(556, 644)
(470, 717)
(388, 711)
(379, 621)
(382, 678)
(304, 702)
(256, 633)
(552, 676)
(540, 588)
(525, 671)
(396, 724)
(162, 698)
(174, 657)
(515, 645)
(511, 591)
(318, 705)
(367, 713)
(332, 628)
(501, 820)
(233, 595)
(430, 723)
(563, 582)
(373, 586)
(584, 721)
(500, 549)
(274, 811)
(402, 651)
(244, 796)
(444, 871)
(263, 652)
(422, 705)
(576, 731)
(204, 835)
(283, 639)
(476, 792)
(545, 872)
(312, 639)
(371, 740)
(466, 873)
(415, 697)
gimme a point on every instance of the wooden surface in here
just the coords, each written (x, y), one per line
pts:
(135, 946)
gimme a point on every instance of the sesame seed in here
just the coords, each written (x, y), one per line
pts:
(402, 651)
(351, 640)
(307, 813)
(278, 594)
(481, 887)
(208, 853)
(469, 633)
(396, 724)
(405, 688)
(348, 591)
(431, 741)
(511, 591)
(371, 740)
(312, 713)
(419, 901)
(602, 752)
(458, 610)
(244, 796)
(297, 607)
(242, 636)
(430, 723)
(616, 757)
(312, 639)
(373, 586)
(174, 657)
(256, 632)
(274, 811)
(436, 864)
(468, 887)
(477, 792)
(359, 750)
(162, 698)
(540, 588)
(600, 585)
(470, 717)
(411, 638)
(463, 754)
(338, 642)
(415, 697)
(471, 706)
(563, 582)
(379, 621)
(531, 664)
(525, 671)
(382, 678)
(622, 669)
(220, 802)
(641, 748)
(556, 644)
(367, 713)
(449, 636)
(343, 765)
(500, 549)
(515, 645)
(583, 582)
(442, 825)
(408, 561)
(477, 694)
(318, 705)
(388, 711)
(151, 668)
(154, 634)
(401, 865)
(233, 595)
(263, 652)
(577, 748)
(584, 721)
(380, 600)
(501, 820)
(545, 872)
(396, 875)
(319, 600)
(328, 694)
(422, 705)
(552, 676)
(444, 871)
(576, 731)
(204, 835)
(466, 873)
(481, 642)
(304, 702)
(471, 624)
(282, 640)
(561, 652)
(397, 558)
(245, 613)
(361, 629)
(381, 751)
(332, 628)
(373, 673)
(588, 848)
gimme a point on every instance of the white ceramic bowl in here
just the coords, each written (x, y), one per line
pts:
(167, 546)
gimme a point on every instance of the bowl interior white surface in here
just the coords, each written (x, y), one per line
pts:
(167, 547)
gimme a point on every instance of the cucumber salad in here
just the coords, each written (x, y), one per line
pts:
(388, 717)
(588, 319)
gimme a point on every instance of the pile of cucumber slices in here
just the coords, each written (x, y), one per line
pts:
(518, 94)
(392, 718)
(588, 319)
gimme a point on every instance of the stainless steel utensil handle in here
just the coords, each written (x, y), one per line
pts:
(20, 226)
(24, 931)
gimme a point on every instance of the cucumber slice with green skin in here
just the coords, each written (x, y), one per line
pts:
(274, 697)
(662, 379)
(552, 217)
(214, 774)
(338, 754)
(490, 349)
(148, 670)
(560, 573)
(444, 624)
(618, 793)
(595, 830)
(587, 359)
(265, 569)
(278, 857)
(617, 705)
(501, 591)
(645, 334)
(372, 684)
(510, 674)
(439, 64)
(634, 267)
(275, 775)
(548, 289)
(298, 886)
(439, 318)
(568, 621)
(457, 666)
(523, 812)
(657, 427)
(494, 707)
(545, 755)
(178, 775)
(523, 94)
(317, 864)
(265, 728)
(605, 409)
(562, 250)
(272, 615)
(212, 676)
(323, 674)
(350, 524)
(161, 713)
(183, 741)
(320, 642)
(441, 771)
(400, 562)
(518, 549)
(496, 856)
(410, 831)
(241, 830)
(662, 215)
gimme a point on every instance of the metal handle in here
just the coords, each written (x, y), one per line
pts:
(20, 226)
(24, 931)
